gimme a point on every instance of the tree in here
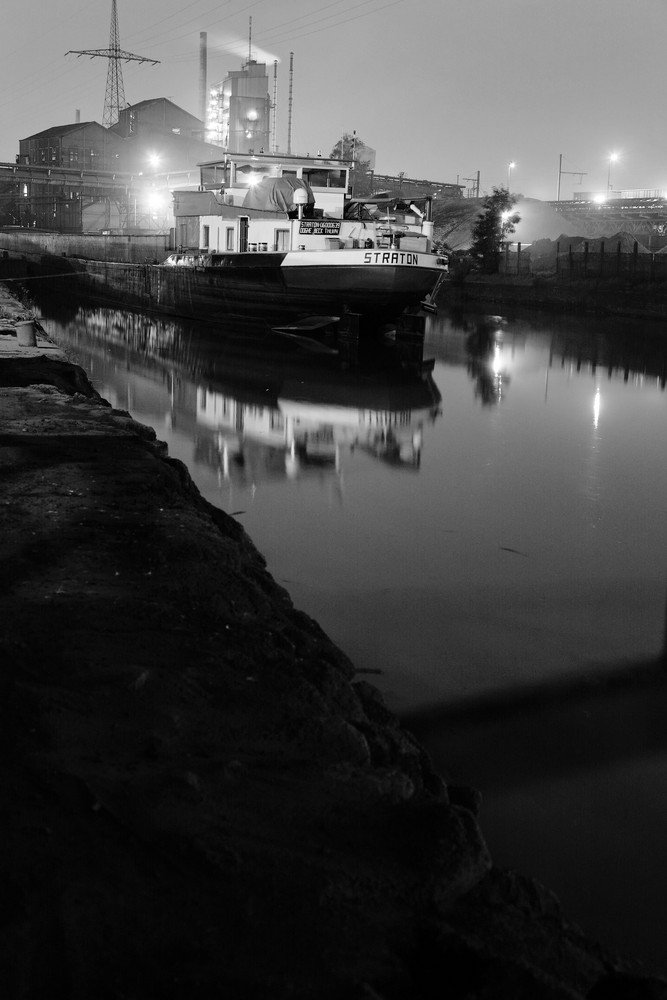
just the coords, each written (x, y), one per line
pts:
(351, 147)
(494, 224)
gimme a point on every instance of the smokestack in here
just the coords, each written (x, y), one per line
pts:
(77, 115)
(289, 106)
(202, 76)
(274, 145)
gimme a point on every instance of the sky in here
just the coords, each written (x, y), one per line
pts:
(441, 89)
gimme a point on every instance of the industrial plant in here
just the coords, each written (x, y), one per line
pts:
(86, 177)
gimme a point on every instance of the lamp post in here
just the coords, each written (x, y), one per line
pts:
(612, 159)
(510, 168)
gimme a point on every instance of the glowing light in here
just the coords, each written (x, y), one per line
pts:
(599, 198)
(157, 201)
(154, 159)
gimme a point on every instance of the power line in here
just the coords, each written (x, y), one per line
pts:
(281, 30)
(114, 98)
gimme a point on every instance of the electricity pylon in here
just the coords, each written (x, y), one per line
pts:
(114, 99)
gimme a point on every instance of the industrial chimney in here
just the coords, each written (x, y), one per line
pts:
(289, 104)
(202, 76)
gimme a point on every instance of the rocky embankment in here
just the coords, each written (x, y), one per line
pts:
(200, 798)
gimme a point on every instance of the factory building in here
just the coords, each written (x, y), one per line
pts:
(83, 177)
(82, 146)
(239, 110)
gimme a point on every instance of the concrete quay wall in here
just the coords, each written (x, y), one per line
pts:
(200, 795)
(593, 296)
(133, 249)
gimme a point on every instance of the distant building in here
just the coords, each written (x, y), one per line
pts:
(153, 135)
(409, 187)
(82, 146)
(83, 177)
(239, 111)
(160, 136)
(158, 116)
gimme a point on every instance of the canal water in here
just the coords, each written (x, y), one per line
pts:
(487, 541)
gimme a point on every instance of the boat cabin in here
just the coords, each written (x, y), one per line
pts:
(239, 173)
(270, 202)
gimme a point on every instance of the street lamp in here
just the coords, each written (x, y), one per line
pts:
(510, 168)
(612, 159)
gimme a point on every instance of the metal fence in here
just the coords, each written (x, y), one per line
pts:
(600, 259)
(587, 259)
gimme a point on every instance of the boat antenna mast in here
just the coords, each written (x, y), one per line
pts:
(114, 99)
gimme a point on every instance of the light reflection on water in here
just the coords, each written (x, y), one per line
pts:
(496, 529)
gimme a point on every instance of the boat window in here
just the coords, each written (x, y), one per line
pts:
(325, 178)
(281, 239)
(229, 241)
(250, 174)
(206, 237)
(244, 225)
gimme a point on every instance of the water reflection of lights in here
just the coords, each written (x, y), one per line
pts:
(491, 374)
(596, 407)
(593, 488)
(499, 372)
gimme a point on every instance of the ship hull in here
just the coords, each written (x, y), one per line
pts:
(378, 285)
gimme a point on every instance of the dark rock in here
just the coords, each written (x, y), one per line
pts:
(466, 797)
(624, 986)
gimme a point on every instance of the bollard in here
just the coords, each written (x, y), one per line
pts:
(25, 334)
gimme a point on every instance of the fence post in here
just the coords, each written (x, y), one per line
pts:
(518, 258)
(557, 256)
(635, 256)
(618, 257)
(586, 259)
(601, 258)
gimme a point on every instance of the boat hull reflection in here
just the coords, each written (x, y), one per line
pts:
(255, 407)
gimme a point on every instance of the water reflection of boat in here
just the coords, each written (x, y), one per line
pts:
(253, 409)
(309, 425)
